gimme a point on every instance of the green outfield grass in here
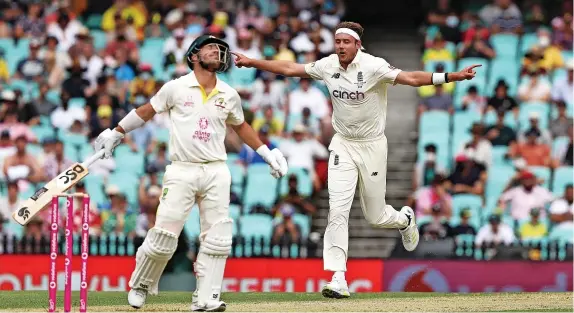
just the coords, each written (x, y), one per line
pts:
(307, 302)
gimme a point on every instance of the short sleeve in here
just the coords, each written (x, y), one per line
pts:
(162, 100)
(385, 72)
(235, 116)
(559, 207)
(317, 69)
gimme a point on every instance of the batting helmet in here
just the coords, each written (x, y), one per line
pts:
(224, 53)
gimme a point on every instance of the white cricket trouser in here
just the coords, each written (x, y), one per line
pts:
(185, 184)
(349, 161)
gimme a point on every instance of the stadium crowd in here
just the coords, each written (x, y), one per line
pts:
(495, 153)
(68, 73)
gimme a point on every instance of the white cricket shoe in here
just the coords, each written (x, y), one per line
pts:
(337, 289)
(411, 233)
(136, 297)
(211, 306)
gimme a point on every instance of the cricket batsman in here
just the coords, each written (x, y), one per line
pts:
(357, 82)
(200, 107)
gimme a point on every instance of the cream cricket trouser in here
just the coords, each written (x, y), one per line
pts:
(185, 184)
(349, 162)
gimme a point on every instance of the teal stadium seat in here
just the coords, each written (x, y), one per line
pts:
(77, 102)
(431, 65)
(498, 155)
(541, 172)
(563, 234)
(562, 177)
(480, 71)
(94, 21)
(461, 201)
(505, 45)
(254, 228)
(462, 121)
(128, 184)
(192, 225)
(261, 188)
(234, 212)
(505, 69)
(305, 183)
(100, 40)
(54, 96)
(442, 144)
(241, 77)
(237, 174)
(527, 42)
(304, 223)
(151, 54)
(435, 123)
(527, 108)
(498, 177)
(95, 188)
(232, 158)
(43, 132)
(509, 119)
(458, 140)
(128, 161)
(558, 143)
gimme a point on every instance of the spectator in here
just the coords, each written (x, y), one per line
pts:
(294, 198)
(48, 147)
(533, 229)
(435, 195)
(16, 129)
(473, 102)
(430, 90)
(121, 42)
(124, 27)
(464, 228)
(11, 203)
(22, 165)
(275, 124)
(56, 163)
(503, 16)
(501, 101)
(64, 29)
(246, 46)
(438, 51)
(27, 112)
(4, 70)
(437, 102)
(142, 139)
(93, 62)
(562, 26)
(76, 86)
(534, 119)
(534, 89)
(544, 54)
(446, 19)
(427, 168)
(64, 115)
(125, 72)
(285, 230)
(500, 134)
(247, 156)
(251, 16)
(102, 119)
(563, 154)
(149, 202)
(494, 233)
(124, 10)
(175, 47)
(478, 47)
(143, 85)
(301, 153)
(101, 96)
(535, 17)
(562, 209)
(311, 123)
(268, 91)
(160, 160)
(475, 28)
(308, 96)
(468, 176)
(532, 150)
(7, 148)
(559, 126)
(438, 227)
(43, 105)
(95, 225)
(118, 218)
(563, 88)
(31, 68)
(525, 197)
(481, 147)
(6, 234)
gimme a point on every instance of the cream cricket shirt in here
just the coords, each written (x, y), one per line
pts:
(197, 121)
(359, 94)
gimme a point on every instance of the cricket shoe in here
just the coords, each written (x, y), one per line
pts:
(211, 306)
(410, 234)
(336, 289)
(136, 297)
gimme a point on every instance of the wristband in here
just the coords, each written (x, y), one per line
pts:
(131, 121)
(439, 78)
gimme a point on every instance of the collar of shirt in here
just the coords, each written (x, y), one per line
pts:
(356, 60)
(219, 88)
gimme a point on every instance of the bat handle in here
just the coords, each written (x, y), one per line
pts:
(98, 155)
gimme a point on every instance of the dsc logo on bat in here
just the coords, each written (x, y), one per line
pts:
(70, 175)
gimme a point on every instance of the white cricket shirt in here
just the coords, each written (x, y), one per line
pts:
(359, 94)
(197, 122)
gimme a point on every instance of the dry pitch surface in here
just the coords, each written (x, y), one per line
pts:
(36, 301)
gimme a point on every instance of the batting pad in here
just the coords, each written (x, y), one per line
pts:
(151, 259)
(211, 259)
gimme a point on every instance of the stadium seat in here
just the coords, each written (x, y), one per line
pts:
(449, 66)
(567, 55)
(562, 234)
(77, 102)
(458, 141)
(192, 227)
(72, 138)
(480, 71)
(95, 188)
(256, 229)
(462, 201)
(305, 183)
(54, 96)
(94, 21)
(541, 172)
(498, 155)
(474, 221)
(562, 177)
(261, 188)
(73, 152)
(498, 178)
(558, 143)
(442, 144)
(162, 134)
(527, 108)
(527, 42)
(237, 174)
(434, 122)
(100, 40)
(304, 223)
(509, 119)
(128, 161)
(43, 132)
(232, 157)
(128, 184)
(505, 45)
(234, 211)
(505, 69)
(462, 121)
(559, 74)
(242, 77)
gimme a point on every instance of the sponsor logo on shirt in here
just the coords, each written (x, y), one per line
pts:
(202, 134)
(348, 95)
(220, 104)
(188, 102)
(360, 81)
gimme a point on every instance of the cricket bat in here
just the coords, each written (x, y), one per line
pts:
(43, 196)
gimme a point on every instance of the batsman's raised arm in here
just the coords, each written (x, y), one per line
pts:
(418, 78)
(285, 68)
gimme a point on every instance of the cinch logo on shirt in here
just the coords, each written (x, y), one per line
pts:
(345, 95)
